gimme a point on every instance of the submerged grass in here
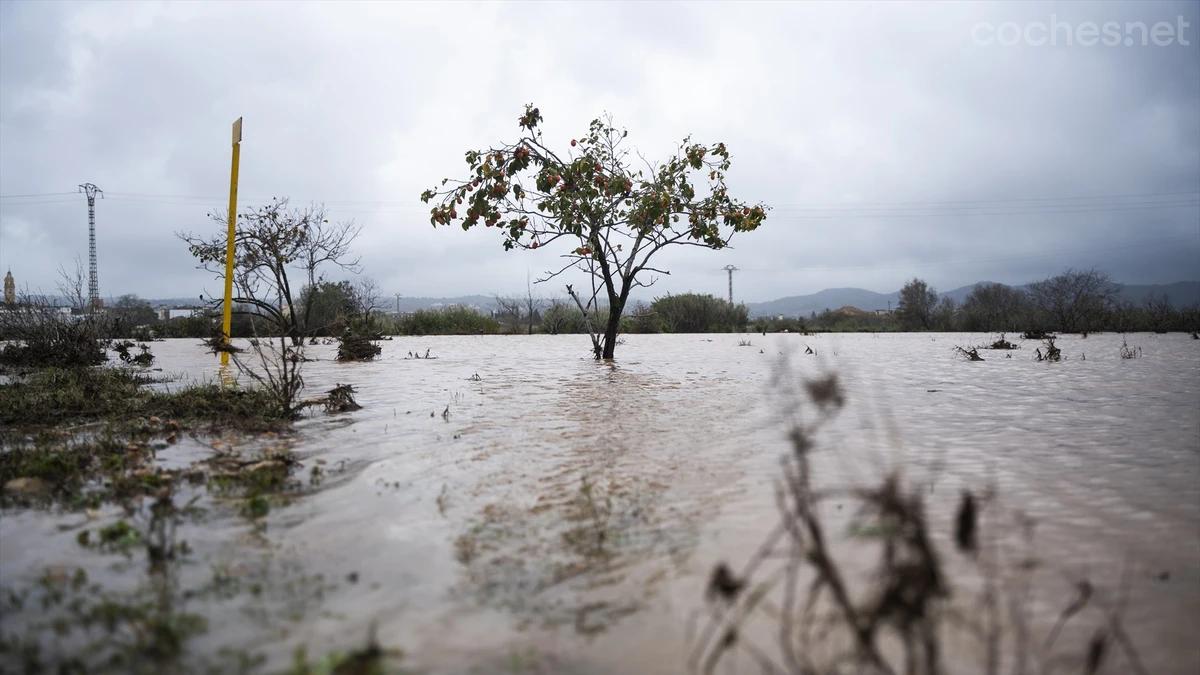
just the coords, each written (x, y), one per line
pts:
(58, 395)
(81, 436)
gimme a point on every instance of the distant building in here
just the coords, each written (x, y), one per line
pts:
(168, 313)
(10, 289)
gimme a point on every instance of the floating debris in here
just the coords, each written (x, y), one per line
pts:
(971, 354)
(1001, 344)
(1128, 352)
(1053, 353)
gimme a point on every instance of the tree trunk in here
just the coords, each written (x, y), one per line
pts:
(615, 309)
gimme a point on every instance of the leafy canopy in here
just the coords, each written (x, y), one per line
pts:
(591, 195)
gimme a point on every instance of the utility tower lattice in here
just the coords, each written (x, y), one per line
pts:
(730, 269)
(91, 191)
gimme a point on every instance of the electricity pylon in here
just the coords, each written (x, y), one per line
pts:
(731, 269)
(91, 191)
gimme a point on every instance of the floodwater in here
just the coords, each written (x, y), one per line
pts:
(512, 505)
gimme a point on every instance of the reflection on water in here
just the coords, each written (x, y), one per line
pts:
(562, 514)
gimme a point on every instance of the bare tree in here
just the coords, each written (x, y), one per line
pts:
(72, 285)
(560, 317)
(328, 243)
(1075, 300)
(366, 298)
(273, 241)
(508, 312)
(532, 306)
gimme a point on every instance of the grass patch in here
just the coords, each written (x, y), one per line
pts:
(58, 395)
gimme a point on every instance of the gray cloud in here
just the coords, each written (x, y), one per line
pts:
(890, 143)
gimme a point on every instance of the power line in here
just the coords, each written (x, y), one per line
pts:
(997, 259)
(40, 194)
(1117, 199)
(1143, 195)
(1049, 210)
(787, 214)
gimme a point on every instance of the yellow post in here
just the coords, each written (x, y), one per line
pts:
(227, 316)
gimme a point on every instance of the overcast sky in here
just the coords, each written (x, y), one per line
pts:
(892, 140)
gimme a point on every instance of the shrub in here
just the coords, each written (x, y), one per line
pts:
(41, 336)
(353, 347)
(453, 320)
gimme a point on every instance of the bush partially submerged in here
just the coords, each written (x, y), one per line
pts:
(1053, 353)
(142, 358)
(357, 347)
(216, 343)
(1128, 352)
(1001, 344)
(41, 336)
(277, 372)
(341, 399)
(971, 354)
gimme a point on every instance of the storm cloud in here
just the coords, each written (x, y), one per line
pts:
(890, 140)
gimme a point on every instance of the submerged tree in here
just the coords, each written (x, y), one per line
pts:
(615, 217)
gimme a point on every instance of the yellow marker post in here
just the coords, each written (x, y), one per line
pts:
(227, 317)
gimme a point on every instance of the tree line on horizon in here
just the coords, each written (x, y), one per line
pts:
(1071, 302)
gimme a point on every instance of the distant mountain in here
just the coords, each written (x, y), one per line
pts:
(1180, 294)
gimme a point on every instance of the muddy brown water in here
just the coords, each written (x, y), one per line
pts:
(554, 514)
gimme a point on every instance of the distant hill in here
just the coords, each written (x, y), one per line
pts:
(830, 298)
(483, 302)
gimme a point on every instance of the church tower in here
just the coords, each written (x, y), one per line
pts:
(10, 289)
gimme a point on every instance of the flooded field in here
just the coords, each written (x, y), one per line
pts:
(514, 506)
